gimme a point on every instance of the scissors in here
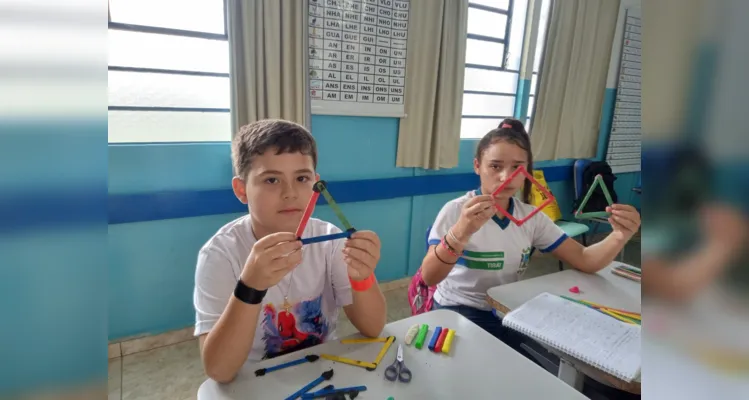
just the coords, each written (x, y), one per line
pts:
(398, 368)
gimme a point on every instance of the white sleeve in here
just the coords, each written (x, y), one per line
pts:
(446, 219)
(339, 272)
(547, 236)
(214, 284)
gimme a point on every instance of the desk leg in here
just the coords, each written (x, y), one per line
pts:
(569, 375)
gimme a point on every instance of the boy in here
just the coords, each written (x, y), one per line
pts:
(258, 292)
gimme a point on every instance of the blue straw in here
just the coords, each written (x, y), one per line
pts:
(325, 238)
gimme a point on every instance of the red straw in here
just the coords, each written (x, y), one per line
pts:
(307, 214)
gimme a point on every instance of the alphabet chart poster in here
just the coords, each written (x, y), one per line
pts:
(357, 57)
(624, 147)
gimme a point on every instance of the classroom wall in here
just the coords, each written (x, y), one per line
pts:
(152, 263)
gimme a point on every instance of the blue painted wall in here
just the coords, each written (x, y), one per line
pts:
(153, 262)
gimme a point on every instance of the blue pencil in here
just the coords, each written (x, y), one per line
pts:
(324, 238)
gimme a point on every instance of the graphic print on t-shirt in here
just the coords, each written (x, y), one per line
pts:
(525, 258)
(487, 260)
(293, 327)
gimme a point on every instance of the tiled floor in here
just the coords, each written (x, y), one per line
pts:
(175, 371)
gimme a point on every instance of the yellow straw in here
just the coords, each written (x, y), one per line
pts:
(617, 316)
(625, 314)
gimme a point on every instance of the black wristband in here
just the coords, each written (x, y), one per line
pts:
(440, 258)
(248, 295)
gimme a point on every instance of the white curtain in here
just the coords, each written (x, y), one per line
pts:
(267, 41)
(429, 136)
(573, 78)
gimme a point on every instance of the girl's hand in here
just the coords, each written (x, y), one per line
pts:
(476, 211)
(361, 254)
(624, 220)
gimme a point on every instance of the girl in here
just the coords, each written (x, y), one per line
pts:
(474, 247)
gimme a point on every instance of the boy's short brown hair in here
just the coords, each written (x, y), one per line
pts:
(260, 136)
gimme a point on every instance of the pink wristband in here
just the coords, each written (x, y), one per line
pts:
(362, 285)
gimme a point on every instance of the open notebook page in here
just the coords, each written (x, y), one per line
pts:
(584, 333)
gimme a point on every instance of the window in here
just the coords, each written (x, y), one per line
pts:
(538, 59)
(168, 71)
(494, 46)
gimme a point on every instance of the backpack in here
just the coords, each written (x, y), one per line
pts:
(597, 200)
(420, 296)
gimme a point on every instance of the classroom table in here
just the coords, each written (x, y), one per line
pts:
(603, 287)
(478, 367)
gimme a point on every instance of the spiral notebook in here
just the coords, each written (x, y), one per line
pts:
(592, 337)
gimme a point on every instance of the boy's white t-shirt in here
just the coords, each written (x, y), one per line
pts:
(498, 253)
(316, 289)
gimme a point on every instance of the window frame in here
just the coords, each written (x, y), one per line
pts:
(112, 25)
(505, 43)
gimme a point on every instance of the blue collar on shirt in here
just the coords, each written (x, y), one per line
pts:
(502, 222)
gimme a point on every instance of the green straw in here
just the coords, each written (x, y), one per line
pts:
(598, 181)
(336, 209)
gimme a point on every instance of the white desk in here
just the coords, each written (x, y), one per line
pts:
(602, 287)
(478, 367)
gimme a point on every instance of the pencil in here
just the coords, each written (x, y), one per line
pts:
(596, 305)
(628, 275)
(599, 306)
(625, 314)
(619, 317)
(630, 269)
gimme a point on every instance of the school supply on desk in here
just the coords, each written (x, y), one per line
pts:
(421, 336)
(441, 340)
(369, 366)
(308, 358)
(621, 315)
(541, 188)
(331, 392)
(435, 336)
(597, 182)
(448, 341)
(324, 377)
(631, 273)
(320, 187)
(398, 370)
(411, 334)
(581, 332)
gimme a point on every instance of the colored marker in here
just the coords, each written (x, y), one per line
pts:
(307, 214)
(435, 336)
(325, 238)
(448, 341)
(441, 341)
(421, 336)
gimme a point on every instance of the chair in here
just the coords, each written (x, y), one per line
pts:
(577, 176)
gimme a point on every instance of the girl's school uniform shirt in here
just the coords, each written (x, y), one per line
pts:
(315, 289)
(498, 253)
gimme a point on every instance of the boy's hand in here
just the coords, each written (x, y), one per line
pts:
(476, 211)
(271, 258)
(624, 220)
(361, 253)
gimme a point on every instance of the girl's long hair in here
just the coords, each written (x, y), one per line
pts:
(512, 131)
